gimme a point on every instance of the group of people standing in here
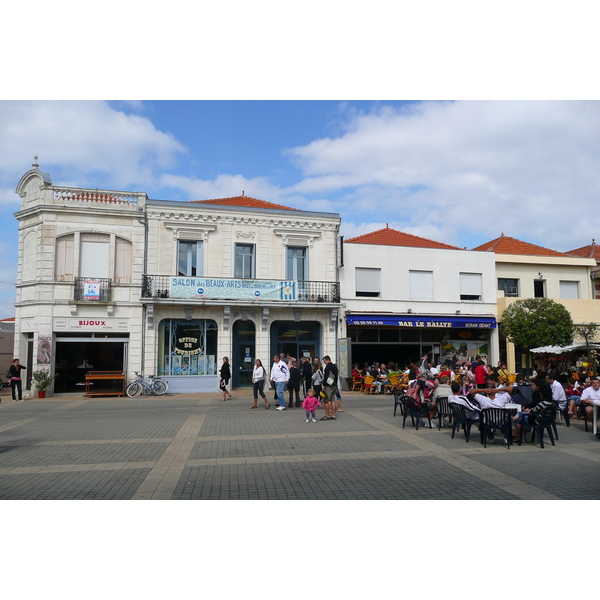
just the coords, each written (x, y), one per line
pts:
(311, 380)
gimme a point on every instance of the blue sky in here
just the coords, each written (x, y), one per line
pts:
(460, 172)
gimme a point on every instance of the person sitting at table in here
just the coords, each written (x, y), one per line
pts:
(541, 399)
(573, 395)
(472, 410)
(382, 377)
(589, 395)
(490, 396)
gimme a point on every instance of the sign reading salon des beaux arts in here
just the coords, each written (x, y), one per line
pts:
(231, 289)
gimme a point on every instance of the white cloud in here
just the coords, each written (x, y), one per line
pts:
(467, 170)
(83, 139)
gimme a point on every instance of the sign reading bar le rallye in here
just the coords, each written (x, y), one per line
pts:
(232, 289)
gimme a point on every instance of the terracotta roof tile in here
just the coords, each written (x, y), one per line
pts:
(590, 251)
(246, 201)
(509, 245)
(393, 237)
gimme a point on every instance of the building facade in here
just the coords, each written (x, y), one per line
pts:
(525, 270)
(115, 281)
(405, 295)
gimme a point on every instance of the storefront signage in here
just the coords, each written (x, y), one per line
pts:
(231, 289)
(422, 321)
(62, 324)
(187, 346)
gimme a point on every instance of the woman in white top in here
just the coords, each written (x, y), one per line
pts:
(258, 379)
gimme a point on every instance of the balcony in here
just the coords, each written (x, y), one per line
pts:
(216, 288)
(92, 289)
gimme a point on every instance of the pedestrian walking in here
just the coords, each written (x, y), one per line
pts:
(317, 377)
(310, 403)
(225, 373)
(258, 382)
(280, 375)
(15, 380)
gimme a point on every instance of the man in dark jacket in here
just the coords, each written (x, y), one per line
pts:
(330, 386)
(306, 373)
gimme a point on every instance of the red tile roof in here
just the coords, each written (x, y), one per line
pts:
(393, 237)
(508, 245)
(591, 251)
(246, 201)
(9, 319)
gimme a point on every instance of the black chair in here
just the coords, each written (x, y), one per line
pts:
(492, 419)
(414, 409)
(443, 410)
(459, 412)
(399, 402)
(545, 420)
(583, 414)
(563, 413)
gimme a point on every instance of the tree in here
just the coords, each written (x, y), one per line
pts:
(589, 332)
(533, 322)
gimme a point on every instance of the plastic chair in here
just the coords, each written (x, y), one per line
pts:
(415, 409)
(355, 383)
(496, 419)
(389, 388)
(399, 402)
(459, 412)
(583, 414)
(443, 410)
(543, 420)
(564, 414)
(367, 383)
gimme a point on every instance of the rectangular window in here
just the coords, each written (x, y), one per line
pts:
(189, 258)
(510, 287)
(296, 265)
(65, 254)
(367, 282)
(470, 286)
(420, 285)
(539, 288)
(123, 261)
(244, 261)
(94, 256)
(569, 289)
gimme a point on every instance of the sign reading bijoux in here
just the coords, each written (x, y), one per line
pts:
(231, 289)
(65, 324)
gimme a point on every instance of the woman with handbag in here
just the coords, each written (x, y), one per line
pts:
(225, 373)
(258, 381)
(317, 377)
(15, 380)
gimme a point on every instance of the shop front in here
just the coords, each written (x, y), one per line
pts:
(403, 338)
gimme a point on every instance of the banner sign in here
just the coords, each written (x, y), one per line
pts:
(443, 322)
(231, 289)
(91, 289)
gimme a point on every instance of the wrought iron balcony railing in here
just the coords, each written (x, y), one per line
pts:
(92, 289)
(166, 286)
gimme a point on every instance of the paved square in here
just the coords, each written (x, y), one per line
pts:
(196, 447)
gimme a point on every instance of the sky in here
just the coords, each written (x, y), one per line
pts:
(461, 172)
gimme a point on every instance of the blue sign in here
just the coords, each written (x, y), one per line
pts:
(232, 289)
(431, 321)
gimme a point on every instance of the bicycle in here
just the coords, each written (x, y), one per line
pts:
(156, 386)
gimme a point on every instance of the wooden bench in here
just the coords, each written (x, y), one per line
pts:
(96, 376)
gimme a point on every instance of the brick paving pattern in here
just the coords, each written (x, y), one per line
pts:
(195, 447)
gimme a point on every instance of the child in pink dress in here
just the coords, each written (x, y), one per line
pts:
(309, 405)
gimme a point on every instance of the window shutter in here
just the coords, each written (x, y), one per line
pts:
(421, 285)
(368, 280)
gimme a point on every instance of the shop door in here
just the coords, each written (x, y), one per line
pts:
(244, 344)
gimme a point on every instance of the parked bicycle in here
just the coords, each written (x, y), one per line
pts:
(155, 386)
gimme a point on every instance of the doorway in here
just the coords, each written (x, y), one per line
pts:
(244, 349)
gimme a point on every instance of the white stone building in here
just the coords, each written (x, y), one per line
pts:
(405, 295)
(116, 281)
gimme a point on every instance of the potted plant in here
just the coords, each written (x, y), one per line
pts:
(42, 380)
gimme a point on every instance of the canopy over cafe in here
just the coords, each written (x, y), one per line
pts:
(405, 337)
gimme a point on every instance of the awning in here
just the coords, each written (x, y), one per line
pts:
(432, 321)
(561, 349)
